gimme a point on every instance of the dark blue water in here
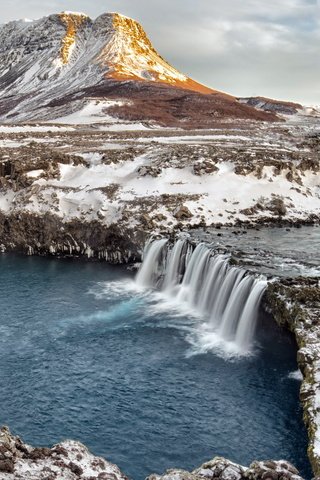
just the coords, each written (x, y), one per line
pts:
(87, 359)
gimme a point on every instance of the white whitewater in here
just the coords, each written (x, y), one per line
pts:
(227, 297)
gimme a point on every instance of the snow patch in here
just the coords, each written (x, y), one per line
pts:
(92, 112)
(33, 128)
(35, 173)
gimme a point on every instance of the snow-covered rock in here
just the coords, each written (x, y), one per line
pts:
(197, 179)
(148, 181)
(68, 460)
(222, 469)
(296, 304)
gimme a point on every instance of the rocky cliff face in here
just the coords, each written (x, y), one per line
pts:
(295, 303)
(65, 59)
(49, 235)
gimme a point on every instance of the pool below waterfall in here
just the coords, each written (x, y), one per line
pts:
(86, 354)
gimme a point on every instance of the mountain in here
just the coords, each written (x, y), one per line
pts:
(54, 66)
(271, 105)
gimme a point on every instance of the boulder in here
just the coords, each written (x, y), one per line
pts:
(182, 213)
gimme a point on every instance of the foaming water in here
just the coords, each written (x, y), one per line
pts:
(183, 316)
(87, 354)
(204, 283)
(296, 375)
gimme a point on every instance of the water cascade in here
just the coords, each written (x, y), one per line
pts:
(151, 269)
(228, 297)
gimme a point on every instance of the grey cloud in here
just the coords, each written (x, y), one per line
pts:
(246, 48)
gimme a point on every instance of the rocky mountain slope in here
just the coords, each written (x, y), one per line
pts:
(54, 66)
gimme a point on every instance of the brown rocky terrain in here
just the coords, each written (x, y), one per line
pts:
(169, 106)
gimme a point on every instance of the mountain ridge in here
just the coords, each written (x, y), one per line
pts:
(68, 54)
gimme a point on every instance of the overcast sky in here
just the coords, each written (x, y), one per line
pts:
(244, 47)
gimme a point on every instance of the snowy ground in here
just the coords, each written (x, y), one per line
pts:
(161, 177)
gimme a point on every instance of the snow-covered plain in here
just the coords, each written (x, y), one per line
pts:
(33, 128)
(157, 173)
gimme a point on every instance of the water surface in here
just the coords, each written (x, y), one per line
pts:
(287, 251)
(84, 356)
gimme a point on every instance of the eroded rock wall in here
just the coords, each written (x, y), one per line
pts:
(49, 235)
(295, 303)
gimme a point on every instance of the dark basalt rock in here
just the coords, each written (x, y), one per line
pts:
(49, 235)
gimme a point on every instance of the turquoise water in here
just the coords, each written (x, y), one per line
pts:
(84, 355)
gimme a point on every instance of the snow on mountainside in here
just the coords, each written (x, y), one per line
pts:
(53, 66)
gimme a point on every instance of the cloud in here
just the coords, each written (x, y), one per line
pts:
(246, 48)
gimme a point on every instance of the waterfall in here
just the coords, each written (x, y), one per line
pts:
(175, 265)
(152, 266)
(227, 297)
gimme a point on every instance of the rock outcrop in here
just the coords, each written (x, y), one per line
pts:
(222, 469)
(270, 105)
(68, 460)
(295, 303)
(49, 235)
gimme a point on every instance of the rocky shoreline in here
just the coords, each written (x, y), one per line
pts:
(49, 235)
(70, 460)
(295, 304)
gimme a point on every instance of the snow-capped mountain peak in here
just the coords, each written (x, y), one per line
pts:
(118, 44)
(73, 22)
(131, 54)
(52, 66)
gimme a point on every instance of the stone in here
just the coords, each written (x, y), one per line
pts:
(67, 460)
(182, 213)
(7, 466)
(76, 469)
